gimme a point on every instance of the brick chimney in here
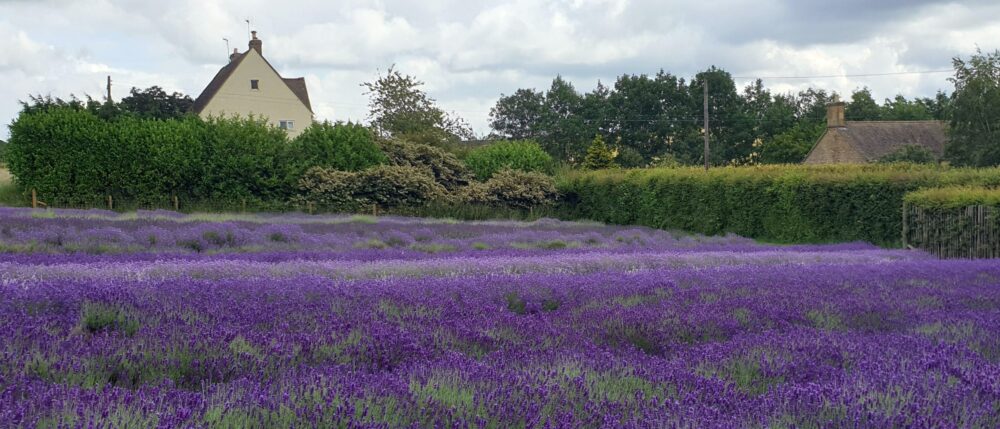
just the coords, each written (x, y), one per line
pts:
(256, 44)
(835, 114)
(233, 55)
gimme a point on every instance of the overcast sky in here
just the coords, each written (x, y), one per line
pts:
(469, 52)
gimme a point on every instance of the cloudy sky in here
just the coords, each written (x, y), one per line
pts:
(469, 52)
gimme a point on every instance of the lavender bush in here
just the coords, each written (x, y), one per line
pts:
(163, 320)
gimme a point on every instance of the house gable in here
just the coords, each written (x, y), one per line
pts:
(250, 86)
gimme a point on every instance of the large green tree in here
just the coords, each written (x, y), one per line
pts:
(155, 103)
(731, 128)
(975, 111)
(649, 113)
(399, 108)
(863, 106)
(520, 115)
(565, 138)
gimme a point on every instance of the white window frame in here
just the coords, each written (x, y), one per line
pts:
(286, 124)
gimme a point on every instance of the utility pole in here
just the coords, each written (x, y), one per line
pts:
(706, 124)
(109, 89)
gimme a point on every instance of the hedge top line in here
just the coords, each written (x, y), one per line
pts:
(951, 197)
(919, 175)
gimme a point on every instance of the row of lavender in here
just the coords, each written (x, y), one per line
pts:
(652, 331)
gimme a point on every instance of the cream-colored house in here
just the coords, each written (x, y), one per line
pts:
(249, 85)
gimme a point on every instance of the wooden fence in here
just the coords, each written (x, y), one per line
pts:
(963, 232)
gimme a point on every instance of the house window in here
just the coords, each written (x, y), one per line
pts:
(286, 125)
(254, 84)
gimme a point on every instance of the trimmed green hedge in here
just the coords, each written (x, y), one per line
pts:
(523, 155)
(786, 204)
(71, 157)
(954, 197)
(953, 222)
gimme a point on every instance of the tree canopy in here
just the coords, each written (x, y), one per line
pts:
(399, 108)
(975, 111)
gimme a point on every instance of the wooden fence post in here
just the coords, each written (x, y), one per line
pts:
(906, 231)
(177, 204)
(111, 203)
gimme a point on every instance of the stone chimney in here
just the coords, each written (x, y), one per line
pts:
(232, 56)
(835, 114)
(256, 44)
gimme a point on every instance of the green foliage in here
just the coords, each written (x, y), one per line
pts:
(774, 203)
(910, 153)
(155, 103)
(399, 108)
(975, 109)
(954, 197)
(954, 221)
(244, 158)
(97, 317)
(71, 156)
(630, 158)
(393, 186)
(514, 189)
(446, 169)
(328, 188)
(60, 151)
(862, 107)
(519, 116)
(598, 156)
(791, 146)
(523, 155)
(657, 115)
(346, 147)
(387, 186)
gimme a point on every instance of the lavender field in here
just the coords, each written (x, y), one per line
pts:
(156, 319)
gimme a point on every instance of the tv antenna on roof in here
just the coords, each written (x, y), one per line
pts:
(227, 45)
(248, 27)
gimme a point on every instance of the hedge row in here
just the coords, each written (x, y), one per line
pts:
(71, 156)
(523, 155)
(953, 222)
(954, 197)
(787, 204)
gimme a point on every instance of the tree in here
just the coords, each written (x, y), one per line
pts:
(975, 111)
(792, 146)
(399, 108)
(520, 115)
(939, 107)
(812, 105)
(731, 128)
(862, 106)
(771, 114)
(901, 109)
(155, 103)
(646, 112)
(564, 137)
(598, 156)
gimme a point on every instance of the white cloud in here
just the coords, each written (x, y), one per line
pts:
(468, 53)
